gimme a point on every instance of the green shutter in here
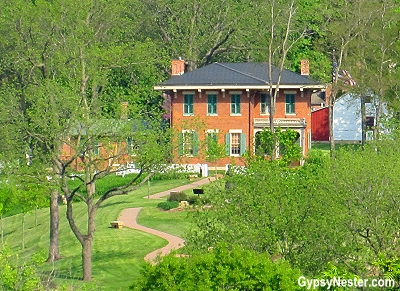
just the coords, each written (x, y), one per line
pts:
(195, 143)
(242, 143)
(180, 144)
(228, 144)
(96, 148)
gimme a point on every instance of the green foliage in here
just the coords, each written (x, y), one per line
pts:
(287, 139)
(167, 205)
(390, 267)
(326, 211)
(177, 196)
(21, 277)
(221, 268)
(331, 272)
(214, 150)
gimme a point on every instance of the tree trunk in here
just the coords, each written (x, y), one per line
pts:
(272, 104)
(87, 258)
(331, 136)
(377, 119)
(54, 251)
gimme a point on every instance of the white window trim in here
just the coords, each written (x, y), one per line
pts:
(230, 141)
(268, 105)
(183, 132)
(212, 93)
(212, 131)
(293, 93)
(235, 131)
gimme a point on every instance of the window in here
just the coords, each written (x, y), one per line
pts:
(235, 143)
(290, 109)
(96, 148)
(211, 139)
(265, 102)
(370, 122)
(131, 145)
(211, 104)
(188, 143)
(188, 104)
(235, 104)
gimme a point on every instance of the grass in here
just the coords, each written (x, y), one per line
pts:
(325, 146)
(117, 253)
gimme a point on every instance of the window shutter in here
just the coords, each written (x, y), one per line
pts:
(228, 144)
(195, 143)
(242, 143)
(180, 144)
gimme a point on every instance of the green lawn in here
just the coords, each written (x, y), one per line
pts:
(117, 253)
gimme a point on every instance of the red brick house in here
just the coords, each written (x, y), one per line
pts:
(231, 100)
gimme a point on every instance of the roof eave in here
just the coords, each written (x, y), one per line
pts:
(237, 87)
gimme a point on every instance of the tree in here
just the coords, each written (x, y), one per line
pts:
(96, 148)
(287, 139)
(197, 31)
(282, 36)
(59, 59)
(340, 211)
(373, 55)
(214, 150)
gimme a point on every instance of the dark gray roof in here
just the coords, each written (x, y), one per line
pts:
(226, 74)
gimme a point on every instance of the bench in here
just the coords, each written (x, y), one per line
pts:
(116, 224)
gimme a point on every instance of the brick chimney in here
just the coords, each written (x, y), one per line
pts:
(178, 67)
(305, 67)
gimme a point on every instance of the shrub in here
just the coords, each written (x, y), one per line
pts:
(167, 205)
(222, 268)
(193, 200)
(177, 196)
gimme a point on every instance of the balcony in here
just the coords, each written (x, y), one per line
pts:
(280, 122)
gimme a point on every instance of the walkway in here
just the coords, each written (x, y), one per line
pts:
(129, 215)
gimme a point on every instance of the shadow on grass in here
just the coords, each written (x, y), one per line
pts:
(108, 204)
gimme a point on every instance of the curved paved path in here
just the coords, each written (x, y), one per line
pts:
(128, 217)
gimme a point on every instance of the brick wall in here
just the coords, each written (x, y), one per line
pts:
(224, 121)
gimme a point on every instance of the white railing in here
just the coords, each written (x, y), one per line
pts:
(284, 122)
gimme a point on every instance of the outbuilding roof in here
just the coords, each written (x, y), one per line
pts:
(237, 75)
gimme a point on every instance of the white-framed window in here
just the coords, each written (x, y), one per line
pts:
(264, 104)
(188, 103)
(290, 103)
(212, 103)
(188, 143)
(235, 103)
(235, 142)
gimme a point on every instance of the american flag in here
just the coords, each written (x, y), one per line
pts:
(342, 75)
